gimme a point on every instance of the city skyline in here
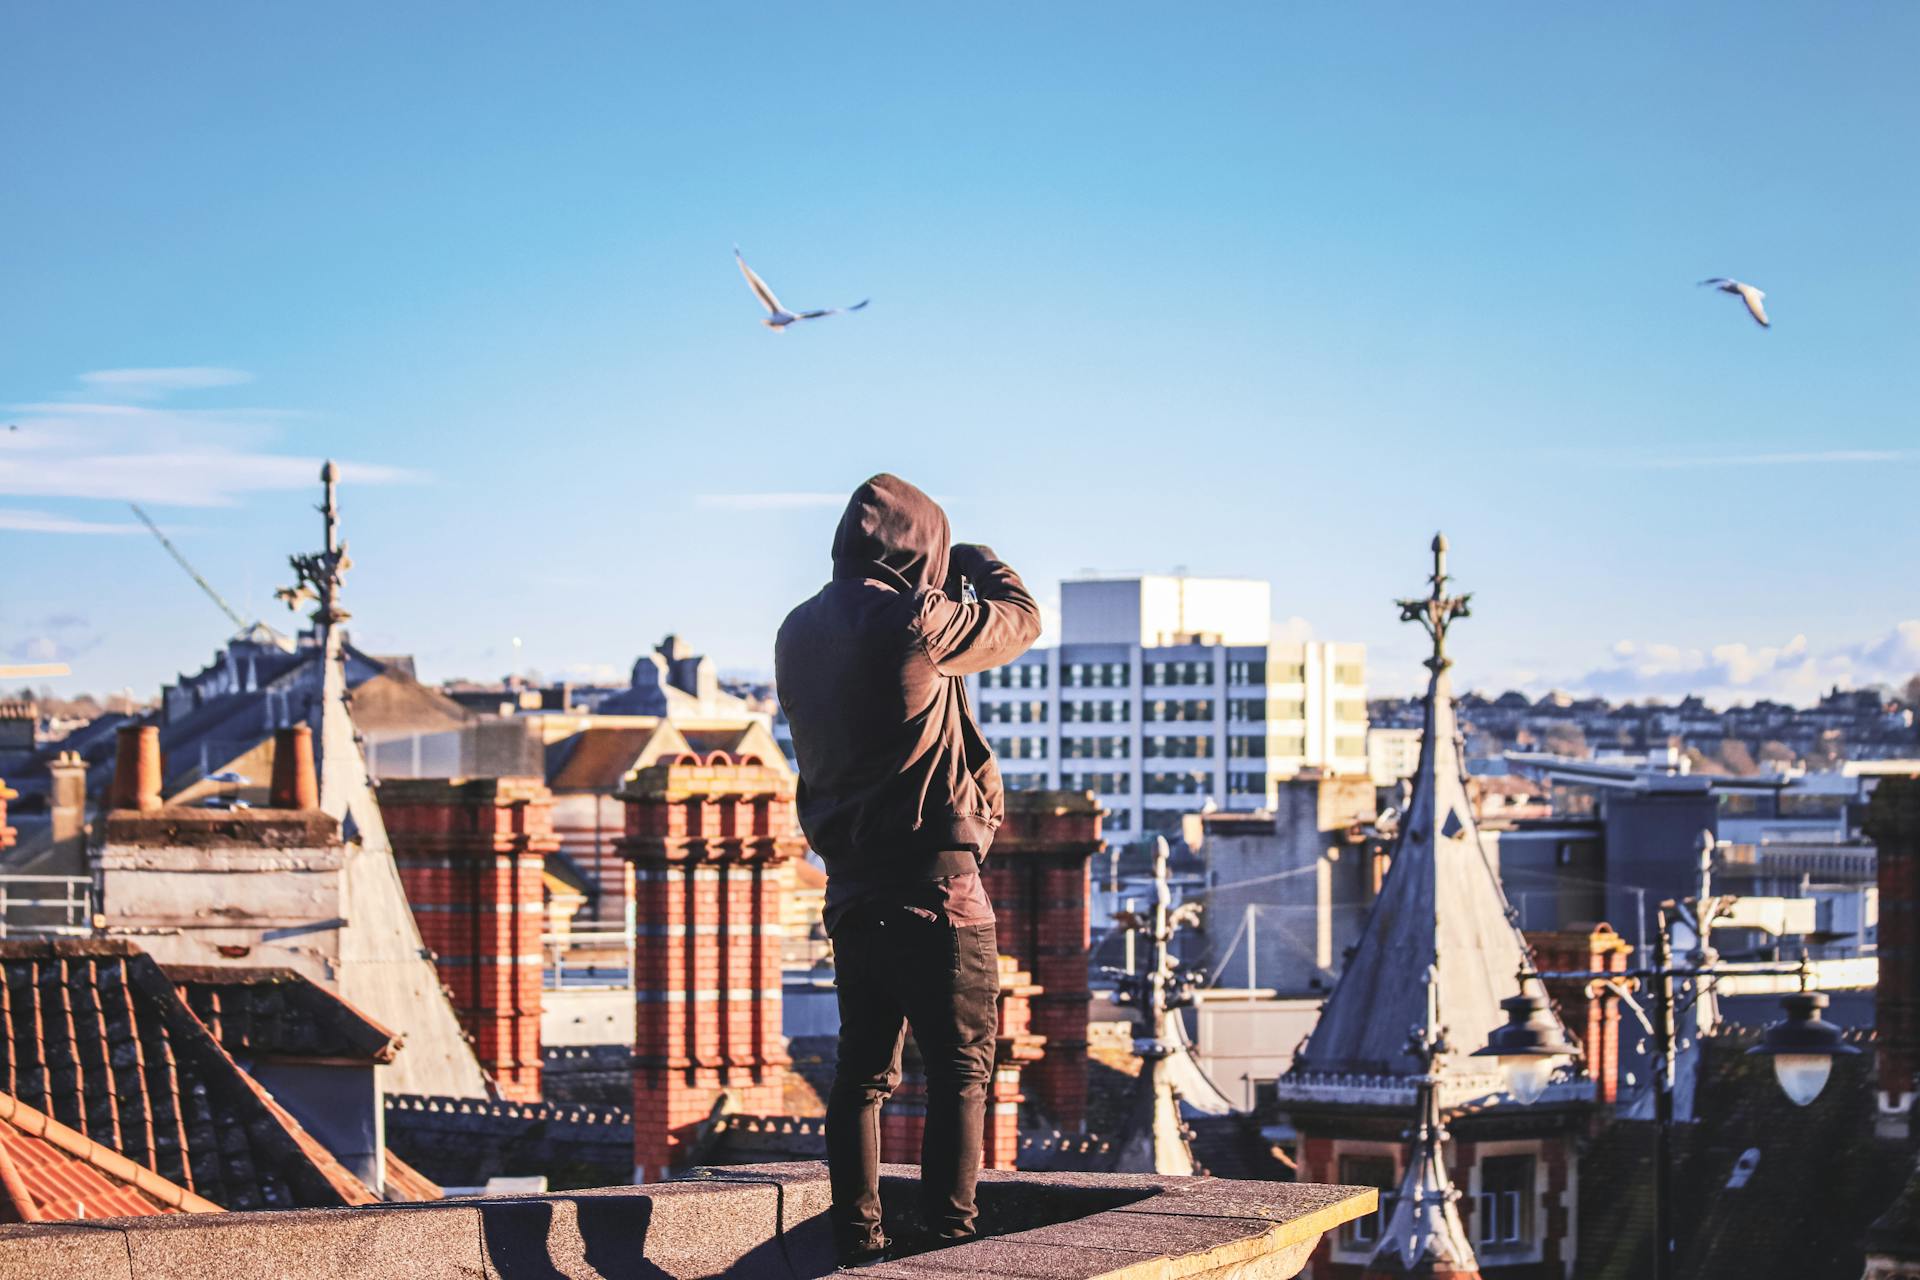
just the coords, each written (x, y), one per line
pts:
(1267, 296)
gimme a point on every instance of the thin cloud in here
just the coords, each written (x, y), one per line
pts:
(768, 501)
(1795, 670)
(1821, 457)
(19, 520)
(160, 454)
(165, 381)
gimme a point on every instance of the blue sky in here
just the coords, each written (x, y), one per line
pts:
(1258, 290)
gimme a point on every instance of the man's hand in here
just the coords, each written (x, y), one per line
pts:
(970, 560)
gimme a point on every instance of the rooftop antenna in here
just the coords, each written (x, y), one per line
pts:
(240, 623)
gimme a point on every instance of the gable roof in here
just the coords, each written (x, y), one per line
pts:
(94, 1035)
(603, 759)
(279, 1013)
(49, 1171)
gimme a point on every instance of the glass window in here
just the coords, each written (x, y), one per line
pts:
(1240, 747)
(1178, 709)
(1094, 675)
(1368, 1171)
(1024, 781)
(1287, 673)
(1118, 820)
(1247, 784)
(1194, 783)
(1350, 710)
(1506, 1202)
(1349, 746)
(1292, 746)
(1181, 746)
(1247, 671)
(1349, 673)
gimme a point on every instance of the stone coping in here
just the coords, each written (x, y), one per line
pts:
(750, 1221)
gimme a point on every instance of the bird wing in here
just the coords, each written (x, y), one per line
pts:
(1718, 282)
(834, 311)
(759, 286)
(1751, 296)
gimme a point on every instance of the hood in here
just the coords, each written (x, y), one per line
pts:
(893, 532)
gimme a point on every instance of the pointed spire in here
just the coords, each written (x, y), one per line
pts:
(1441, 906)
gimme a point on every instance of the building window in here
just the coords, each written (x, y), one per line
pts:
(1013, 713)
(1295, 746)
(1195, 783)
(1021, 675)
(1182, 747)
(1094, 675)
(1350, 710)
(1019, 748)
(1107, 784)
(1349, 746)
(1287, 673)
(1247, 671)
(1246, 784)
(1368, 1171)
(1160, 822)
(1118, 820)
(1247, 710)
(1024, 781)
(1095, 748)
(1178, 709)
(1506, 1203)
(1160, 673)
(1241, 747)
(1349, 673)
(1072, 712)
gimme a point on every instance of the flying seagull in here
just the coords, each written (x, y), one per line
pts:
(778, 317)
(1746, 293)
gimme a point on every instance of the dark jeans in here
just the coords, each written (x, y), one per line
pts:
(895, 968)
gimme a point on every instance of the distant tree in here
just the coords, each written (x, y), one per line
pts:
(1698, 763)
(1734, 754)
(1776, 752)
(1566, 740)
(1829, 752)
(1912, 692)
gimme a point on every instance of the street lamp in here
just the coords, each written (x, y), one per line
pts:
(1802, 1047)
(1527, 1049)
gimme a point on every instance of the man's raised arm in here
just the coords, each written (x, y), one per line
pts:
(998, 627)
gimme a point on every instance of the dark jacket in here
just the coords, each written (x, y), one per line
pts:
(896, 781)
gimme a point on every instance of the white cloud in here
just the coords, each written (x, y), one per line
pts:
(769, 501)
(159, 454)
(143, 384)
(1294, 630)
(1738, 671)
(20, 520)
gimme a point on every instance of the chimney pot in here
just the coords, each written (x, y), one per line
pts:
(136, 768)
(294, 785)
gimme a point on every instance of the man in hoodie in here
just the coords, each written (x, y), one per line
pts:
(900, 795)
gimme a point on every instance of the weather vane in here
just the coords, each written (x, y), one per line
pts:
(319, 575)
(1437, 610)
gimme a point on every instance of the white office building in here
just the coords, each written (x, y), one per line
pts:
(1165, 693)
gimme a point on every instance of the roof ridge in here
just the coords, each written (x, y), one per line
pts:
(40, 1125)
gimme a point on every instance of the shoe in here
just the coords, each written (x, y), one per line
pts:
(866, 1255)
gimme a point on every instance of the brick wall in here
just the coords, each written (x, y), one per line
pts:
(470, 853)
(1037, 878)
(1893, 821)
(705, 838)
(7, 833)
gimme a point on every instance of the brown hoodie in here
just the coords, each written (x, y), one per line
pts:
(896, 781)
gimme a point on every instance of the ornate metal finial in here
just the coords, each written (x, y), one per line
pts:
(1164, 983)
(320, 575)
(1437, 610)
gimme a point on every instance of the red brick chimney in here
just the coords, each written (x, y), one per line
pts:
(904, 1122)
(294, 784)
(1594, 1018)
(136, 768)
(1037, 878)
(705, 839)
(1893, 823)
(471, 853)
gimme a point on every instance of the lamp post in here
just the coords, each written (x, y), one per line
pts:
(1531, 1045)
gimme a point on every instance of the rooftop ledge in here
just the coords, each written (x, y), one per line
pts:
(749, 1221)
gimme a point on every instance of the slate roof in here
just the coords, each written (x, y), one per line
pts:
(95, 1035)
(602, 759)
(1441, 904)
(49, 1172)
(278, 1013)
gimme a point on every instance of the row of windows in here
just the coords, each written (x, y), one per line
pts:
(1024, 781)
(1118, 820)
(1183, 746)
(1095, 748)
(1503, 1211)
(1195, 783)
(1107, 784)
(1094, 675)
(1246, 784)
(1245, 709)
(1349, 673)
(1191, 672)
(1023, 675)
(1013, 713)
(1019, 748)
(1349, 746)
(1072, 712)
(1177, 709)
(1260, 671)
(1349, 710)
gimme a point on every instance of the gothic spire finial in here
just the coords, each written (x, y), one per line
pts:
(1437, 610)
(320, 575)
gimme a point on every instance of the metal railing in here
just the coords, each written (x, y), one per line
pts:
(588, 956)
(43, 906)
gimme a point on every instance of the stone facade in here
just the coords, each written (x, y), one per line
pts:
(470, 853)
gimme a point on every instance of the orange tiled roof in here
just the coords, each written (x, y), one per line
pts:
(404, 1182)
(48, 1172)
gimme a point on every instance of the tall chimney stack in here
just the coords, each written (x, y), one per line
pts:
(294, 785)
(1893, 823)
(136, 768)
